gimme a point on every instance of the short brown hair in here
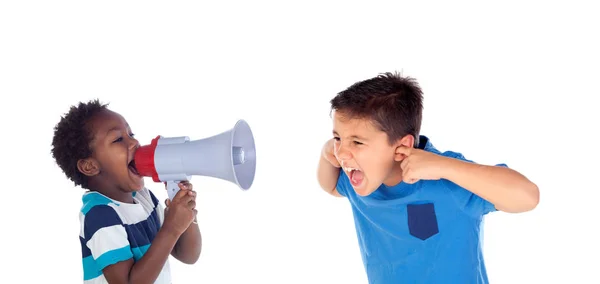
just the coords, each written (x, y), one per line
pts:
(394, 103)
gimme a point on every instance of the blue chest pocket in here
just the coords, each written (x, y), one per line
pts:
(422, 220)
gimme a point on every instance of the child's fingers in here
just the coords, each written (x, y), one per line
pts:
(185, 198)
(191, 205)
(186, 185)
(180, 194)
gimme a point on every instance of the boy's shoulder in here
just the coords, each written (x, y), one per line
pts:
(426, 144)
(95, 200)
(99, 211)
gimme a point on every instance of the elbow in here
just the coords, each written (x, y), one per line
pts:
(190, 258)
(533, 197)
(527, 201)
(196, 257)
(193, 258)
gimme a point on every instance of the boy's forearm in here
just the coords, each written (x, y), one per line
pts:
(327, 175)
(188, 247)
(147, 269)
(507, 189)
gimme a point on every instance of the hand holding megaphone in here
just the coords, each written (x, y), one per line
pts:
(181, 212)
(229, 156)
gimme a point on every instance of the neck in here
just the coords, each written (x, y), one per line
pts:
(113, 192)
(394, 177)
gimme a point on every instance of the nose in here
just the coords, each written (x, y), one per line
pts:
(133, 143)
(342, 153)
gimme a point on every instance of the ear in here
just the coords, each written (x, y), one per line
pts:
(88, 167)
(408, 141)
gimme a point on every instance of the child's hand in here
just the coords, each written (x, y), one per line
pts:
(328, 154)
(418, 164)
(181, 212)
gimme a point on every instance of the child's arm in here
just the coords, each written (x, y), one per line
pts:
(506, 188)
(328, 170)
(188, 247)
(148, 267)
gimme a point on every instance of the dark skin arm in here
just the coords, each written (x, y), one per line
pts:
(146, 270)
(188, 247)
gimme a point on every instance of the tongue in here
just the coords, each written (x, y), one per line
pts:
(357, 177)
(132, 168)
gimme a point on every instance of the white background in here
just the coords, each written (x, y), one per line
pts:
(506, 82)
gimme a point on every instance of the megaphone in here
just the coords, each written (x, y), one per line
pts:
(230, 156)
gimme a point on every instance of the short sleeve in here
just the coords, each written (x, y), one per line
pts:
(469, 202)
(105, 236)
(342, 184)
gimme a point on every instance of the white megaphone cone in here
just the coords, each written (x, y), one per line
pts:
(229, 156)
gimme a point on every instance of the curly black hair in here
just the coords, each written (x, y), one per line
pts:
(71, 141)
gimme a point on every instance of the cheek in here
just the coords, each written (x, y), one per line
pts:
(116, 157)
(377, 163)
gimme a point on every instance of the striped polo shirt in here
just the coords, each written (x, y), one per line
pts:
(113, 231)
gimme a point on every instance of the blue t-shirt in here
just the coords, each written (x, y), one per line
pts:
(426, 232)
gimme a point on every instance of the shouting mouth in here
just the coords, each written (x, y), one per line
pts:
(356, 176)
(132, 168)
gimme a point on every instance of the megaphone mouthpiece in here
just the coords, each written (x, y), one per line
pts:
(144, 160)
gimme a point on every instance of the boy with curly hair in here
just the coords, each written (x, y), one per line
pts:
(126, 234)
(418, 211)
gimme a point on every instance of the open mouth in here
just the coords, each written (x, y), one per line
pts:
(132, 167)
(356, 176)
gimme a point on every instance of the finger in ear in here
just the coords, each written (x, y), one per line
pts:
(398, 155)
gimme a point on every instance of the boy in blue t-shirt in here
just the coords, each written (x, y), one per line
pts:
(418, 211)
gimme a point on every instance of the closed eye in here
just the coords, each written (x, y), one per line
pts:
(120, 139)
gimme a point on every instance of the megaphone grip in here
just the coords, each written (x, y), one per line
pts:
(172, 189)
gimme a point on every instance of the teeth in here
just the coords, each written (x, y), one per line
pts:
(349, 170)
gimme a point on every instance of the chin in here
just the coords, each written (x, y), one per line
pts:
(138, 186)
(364, 190)
(364, 193)
(136, 181)
(134, 185)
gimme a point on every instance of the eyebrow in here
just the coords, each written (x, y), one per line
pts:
(353, 136)
(117, 128)
(112, 129)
